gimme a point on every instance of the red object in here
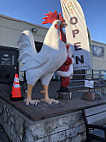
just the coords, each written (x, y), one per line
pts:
(62, 35)
(51, 17)
(65, 67)
(65, 81)
(16, 91)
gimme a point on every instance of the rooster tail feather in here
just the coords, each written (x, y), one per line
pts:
(23, 55)
(26, 47)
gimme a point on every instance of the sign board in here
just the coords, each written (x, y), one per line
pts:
(89, 84)
(76, 33)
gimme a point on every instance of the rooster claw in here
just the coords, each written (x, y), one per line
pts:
(55, 101)
(30, 101)
(50, 101)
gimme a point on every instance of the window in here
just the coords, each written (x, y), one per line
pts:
(38, 45)
(98, 51)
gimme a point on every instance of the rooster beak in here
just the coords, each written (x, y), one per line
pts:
(64, 24)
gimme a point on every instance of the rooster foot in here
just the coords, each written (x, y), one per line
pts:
(49, 101)
(30, 101)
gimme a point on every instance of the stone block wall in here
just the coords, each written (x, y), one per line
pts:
(64, 128)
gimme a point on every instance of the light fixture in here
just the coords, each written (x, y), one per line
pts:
(34, 30)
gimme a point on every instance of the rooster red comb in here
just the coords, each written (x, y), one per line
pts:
(51, 17)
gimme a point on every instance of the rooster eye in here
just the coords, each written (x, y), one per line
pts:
(58, 22)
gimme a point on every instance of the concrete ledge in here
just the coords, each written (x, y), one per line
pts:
(45, 123)
(19, 128)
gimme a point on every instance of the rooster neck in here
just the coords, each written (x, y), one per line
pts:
(52, 37)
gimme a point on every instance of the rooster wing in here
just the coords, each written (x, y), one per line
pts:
(28, 52)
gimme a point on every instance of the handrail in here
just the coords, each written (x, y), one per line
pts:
(78, 80)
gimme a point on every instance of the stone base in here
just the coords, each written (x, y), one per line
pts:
(68, 128)
(64, 95)
(89, 96)
(98, 95)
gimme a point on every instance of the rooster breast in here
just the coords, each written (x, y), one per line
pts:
(55, 58)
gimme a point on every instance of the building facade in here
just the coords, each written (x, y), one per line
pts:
(10, 30)
(99, 55)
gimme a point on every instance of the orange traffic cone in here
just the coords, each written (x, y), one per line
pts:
(16, 91)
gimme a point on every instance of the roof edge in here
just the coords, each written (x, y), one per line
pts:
(97, 42)
(17, 20)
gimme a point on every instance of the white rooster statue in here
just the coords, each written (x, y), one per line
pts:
(42, 65)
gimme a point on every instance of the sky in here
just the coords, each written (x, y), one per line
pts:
(33, 11)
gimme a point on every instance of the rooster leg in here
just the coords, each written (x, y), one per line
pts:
(28, 100)
(46, 96)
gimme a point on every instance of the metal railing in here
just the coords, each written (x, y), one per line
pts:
(91, 75)
(98, 76)
(77, 81)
